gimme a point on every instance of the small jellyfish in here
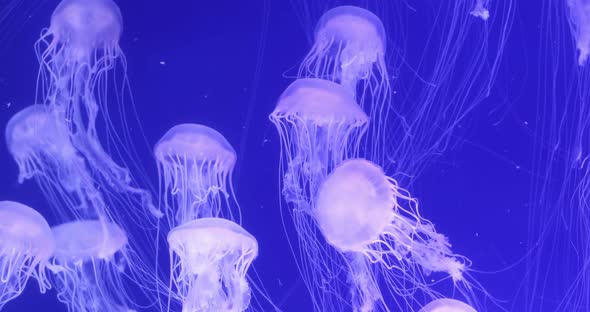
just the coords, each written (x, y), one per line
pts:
(209, 261)
(40, 145)
(447, 305)
(88, 266)
(195, 163)
(319, 124)
(579, 19)
(349, 48)
(26, 244)
(362, 212)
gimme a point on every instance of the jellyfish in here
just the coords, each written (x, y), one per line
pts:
(40, 145)
(209, 261)
(77, 53)
(319, 124)
(26, 245)
(349, 49)
(88, 265)
(579, 20)
(196, 163)
(365, 215)
(447, 305)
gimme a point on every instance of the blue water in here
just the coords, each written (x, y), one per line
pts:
(224, 64)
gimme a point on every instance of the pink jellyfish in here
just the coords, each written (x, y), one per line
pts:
(209, 261)
(79, 53)
(195, 164)
(349, 48)
(365, 215)
(88, 266)
(320, 125)
(26, 244)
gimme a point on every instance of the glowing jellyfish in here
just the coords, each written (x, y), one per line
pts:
(88, 266)
(26, 244)
(77, 54)
(447, 305)
(320, 124)
(579, 19)
(196, 164)
(40, 145)
(363, 213)
(77, 50)
(209, 261)
(349, 48)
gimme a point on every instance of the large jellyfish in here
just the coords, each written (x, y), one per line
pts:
(195, 163)
(40, 145)
(447, 305)
(88, 264)
(349, 48)
(26, 244)
(320, 125)
(77, 54)
(367, 217)
(209, 261)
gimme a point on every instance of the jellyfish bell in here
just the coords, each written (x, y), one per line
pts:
(34, 132)
(210, 259)
(358, 195)
(81, 241)
(196, 163)
(319, 123)
(88, 265)
(25, 248)
(206, 241)
(349, 39)
(86, 25)
(447, 305)
(320, 102)
(376, 226)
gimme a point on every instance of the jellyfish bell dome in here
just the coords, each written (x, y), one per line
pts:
(26, 245)
(354, 205)
(203, 242)
(87, 24)
(35, 128)
(354, 25)
(195, 142)
(320, 102)
(81, 241)
(447, 305)
(23, 227)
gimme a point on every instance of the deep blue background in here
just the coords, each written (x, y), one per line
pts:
(225, 64)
